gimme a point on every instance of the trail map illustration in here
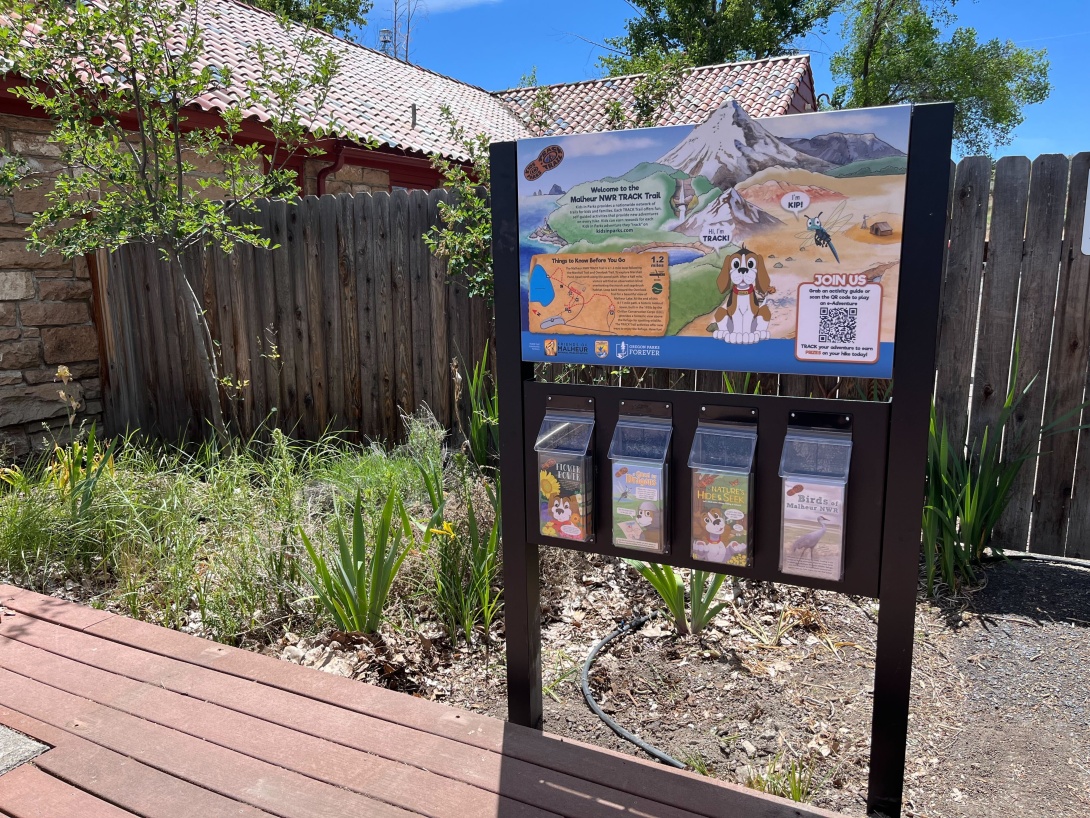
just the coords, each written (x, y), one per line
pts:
(769, 245)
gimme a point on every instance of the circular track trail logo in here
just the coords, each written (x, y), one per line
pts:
(549, 158)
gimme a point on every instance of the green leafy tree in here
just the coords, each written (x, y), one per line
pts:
(335, 16)
(539, 114)
(117, 80)
(464, 235)
(895, 51)
(654, 94)
(713, 31)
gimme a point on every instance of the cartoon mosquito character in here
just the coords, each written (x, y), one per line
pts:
(821, 232)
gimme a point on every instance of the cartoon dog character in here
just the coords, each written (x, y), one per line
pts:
(565, 511)
(714, 549)
(743, 317)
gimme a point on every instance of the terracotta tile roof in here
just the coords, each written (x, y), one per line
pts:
(372, 95)
(762, 87)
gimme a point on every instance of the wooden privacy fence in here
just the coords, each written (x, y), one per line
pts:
(349, 321)
(1016, 275)
(352, 321)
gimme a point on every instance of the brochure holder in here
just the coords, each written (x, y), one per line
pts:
(721, 462)
(639, 478)
(565, 481)
(814, 477)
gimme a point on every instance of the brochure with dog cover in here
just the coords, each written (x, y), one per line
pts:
(637, 458)
(758, 245)
(721, 462)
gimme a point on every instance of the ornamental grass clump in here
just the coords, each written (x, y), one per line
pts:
(670, 585)
(968, 488)
(354, 585)
(465, 566)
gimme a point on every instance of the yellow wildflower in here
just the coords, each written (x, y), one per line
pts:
(64, 373)
(447, 530)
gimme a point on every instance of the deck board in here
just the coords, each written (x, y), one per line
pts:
(247, 733)
(27, 792)
(367, 774)
(127, 783)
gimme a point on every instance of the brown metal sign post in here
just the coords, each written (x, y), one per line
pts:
(882, 495)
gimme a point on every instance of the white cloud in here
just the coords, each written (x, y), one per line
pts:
(439, 6)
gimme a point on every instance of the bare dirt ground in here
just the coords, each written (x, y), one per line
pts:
(1000, 721)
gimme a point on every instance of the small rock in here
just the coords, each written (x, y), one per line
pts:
(789, 258)
(818, 260)
(291, 638)
(312, 657)
(292, 654)
(339, 666)
(778, 264)
(749, 748)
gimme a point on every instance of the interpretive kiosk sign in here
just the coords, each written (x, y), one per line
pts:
(768, 245)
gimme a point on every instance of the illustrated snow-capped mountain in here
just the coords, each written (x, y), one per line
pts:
(731, 146)
(844, 148)
(729, 215)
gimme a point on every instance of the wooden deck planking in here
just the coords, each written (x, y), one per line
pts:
(388, 740)
(27, 792)
(147, 693)
(379, 778)
(233, 775)
(126, 783)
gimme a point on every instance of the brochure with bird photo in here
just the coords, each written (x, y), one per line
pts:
(721, 503)
(638, 506)
(813, 529)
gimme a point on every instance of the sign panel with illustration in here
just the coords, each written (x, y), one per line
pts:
(765, 245)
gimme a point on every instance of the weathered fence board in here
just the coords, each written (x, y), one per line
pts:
(960, 295)
(351, 321)
(1076, 510)
(1033, 327)
(386, 320)
(439, 374)
(999, 295)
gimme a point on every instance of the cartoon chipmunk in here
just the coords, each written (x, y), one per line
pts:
(743, 317)
(647, 515)
(565, 511)
(714, 549)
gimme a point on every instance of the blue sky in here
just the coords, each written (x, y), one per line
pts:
(492, 43)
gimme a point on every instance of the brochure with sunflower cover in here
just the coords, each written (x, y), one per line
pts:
(564, 475)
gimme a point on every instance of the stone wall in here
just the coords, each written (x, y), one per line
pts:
(45, 315)
(349, 179)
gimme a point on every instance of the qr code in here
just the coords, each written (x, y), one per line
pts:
(837, 325)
